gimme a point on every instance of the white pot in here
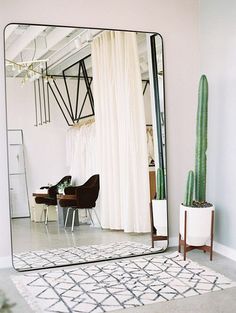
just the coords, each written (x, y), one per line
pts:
(159, 209)
(198, 225)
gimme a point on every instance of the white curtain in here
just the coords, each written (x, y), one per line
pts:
(121, 132)
(82, 160)
(81, 153)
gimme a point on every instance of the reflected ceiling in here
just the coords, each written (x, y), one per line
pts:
(36, 47)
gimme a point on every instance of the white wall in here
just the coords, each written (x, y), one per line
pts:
(176, 21)
(218, 62)
(45, 145)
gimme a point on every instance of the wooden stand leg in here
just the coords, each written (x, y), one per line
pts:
(185, 234)
(204, 248)
(152, 242)
(179, 244)
(152, 227)
(212, 232)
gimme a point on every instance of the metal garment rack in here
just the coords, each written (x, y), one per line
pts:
(70, 111)
(41, 102)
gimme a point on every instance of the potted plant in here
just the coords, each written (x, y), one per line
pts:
(62, 187)
(5, 307)
(159, 206)
(196, 217)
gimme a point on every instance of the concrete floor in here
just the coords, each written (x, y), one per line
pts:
(214, 302)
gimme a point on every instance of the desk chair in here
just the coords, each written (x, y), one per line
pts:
(51, 197)
(85, 197)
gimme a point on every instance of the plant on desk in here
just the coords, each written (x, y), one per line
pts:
(62, 186)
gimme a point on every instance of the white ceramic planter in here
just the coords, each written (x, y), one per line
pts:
(159, 209)
(198, 225)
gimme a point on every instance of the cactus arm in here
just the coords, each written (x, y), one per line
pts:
(188, 201)
(201, 141)
(160, 184)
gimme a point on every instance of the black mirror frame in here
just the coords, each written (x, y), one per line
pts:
(161, 154)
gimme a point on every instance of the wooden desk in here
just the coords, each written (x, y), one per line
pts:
(42, 195)
(66, 197)
(61, 212)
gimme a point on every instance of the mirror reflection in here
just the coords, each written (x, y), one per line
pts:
(86, 142)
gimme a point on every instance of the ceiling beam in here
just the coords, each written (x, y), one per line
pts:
(22, 42)
(70, 49)
(53, 38)
(57, 68)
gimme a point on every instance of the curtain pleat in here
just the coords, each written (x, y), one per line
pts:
(120, 132)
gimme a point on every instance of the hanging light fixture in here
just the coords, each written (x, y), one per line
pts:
(30, 67)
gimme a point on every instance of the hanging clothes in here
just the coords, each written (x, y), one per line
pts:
(81, 153)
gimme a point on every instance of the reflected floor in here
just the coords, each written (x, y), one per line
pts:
(29, 236)
(36, 245)
(80, 254)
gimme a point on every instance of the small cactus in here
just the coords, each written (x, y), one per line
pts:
(160, 184)
(188, 201)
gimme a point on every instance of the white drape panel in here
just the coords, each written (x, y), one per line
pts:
(82, 159)
(81, 153)
(121, 132)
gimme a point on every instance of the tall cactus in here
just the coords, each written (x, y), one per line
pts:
(188, 201)
(201, 141)
(160, 184)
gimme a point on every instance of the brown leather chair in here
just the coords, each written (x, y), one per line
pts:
(51, 197)
(85, 198)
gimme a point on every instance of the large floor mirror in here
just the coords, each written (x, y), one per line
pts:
(86, 144)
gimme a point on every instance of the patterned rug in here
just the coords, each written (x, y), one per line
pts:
(82, 254)
(109, 286)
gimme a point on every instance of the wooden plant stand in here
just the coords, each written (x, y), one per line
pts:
(153, 229)
(205, 248)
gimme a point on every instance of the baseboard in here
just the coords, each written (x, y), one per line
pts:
(217, 247)
(225, 251)
(173, 242)
(5, 262)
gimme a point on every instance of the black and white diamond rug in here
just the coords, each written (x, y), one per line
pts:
(81, 254)
(124, 284)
